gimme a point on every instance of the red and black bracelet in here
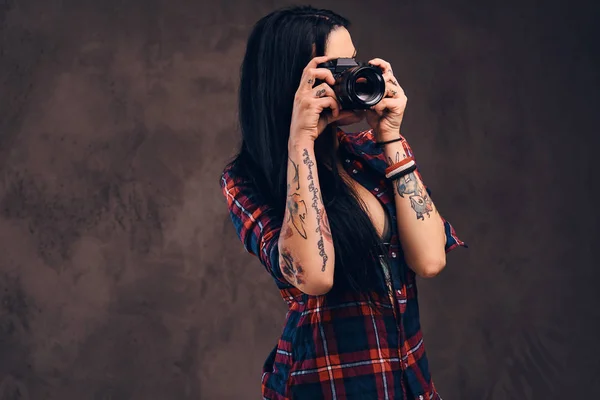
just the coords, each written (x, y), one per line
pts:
(401, 168)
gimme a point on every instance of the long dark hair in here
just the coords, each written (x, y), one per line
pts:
(279, 47)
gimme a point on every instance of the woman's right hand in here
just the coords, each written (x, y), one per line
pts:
(314, 107)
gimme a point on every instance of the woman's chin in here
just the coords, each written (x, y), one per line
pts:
(354, 117)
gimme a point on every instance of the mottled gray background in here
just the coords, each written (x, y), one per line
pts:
(120, 273)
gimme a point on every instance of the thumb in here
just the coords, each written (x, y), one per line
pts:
(378, 109)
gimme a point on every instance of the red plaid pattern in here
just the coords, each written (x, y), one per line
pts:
(340, 347)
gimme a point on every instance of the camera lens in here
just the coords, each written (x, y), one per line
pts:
(359, 86)
(366, 87)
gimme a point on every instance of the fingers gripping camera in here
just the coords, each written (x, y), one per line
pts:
(358, 86)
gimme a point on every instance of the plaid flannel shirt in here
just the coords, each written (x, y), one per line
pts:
(340, 348)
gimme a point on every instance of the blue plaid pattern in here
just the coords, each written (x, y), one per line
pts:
(341, 347)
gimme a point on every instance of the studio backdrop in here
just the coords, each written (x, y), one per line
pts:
(121, 276)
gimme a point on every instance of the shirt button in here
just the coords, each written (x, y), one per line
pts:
(354, 171)
(394, 254)
(420, 397)
(376, 189)
(347, 160)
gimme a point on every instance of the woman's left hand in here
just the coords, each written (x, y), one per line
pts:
(386, 116)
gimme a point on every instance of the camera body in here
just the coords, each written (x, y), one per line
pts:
(358, 86)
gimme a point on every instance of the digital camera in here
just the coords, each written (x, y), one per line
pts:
(358, 86)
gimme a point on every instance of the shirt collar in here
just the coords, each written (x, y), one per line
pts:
(362, 145)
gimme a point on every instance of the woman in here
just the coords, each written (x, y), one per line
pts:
(342, 241)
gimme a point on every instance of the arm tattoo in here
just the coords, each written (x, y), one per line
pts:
(315, 205)
(392, 162)
(296, 207)
(409, 185)
(422, 205)
(297, 210)
(325, 228)
(419, 200)
(287, 232)
(296, 179)
(295, 273)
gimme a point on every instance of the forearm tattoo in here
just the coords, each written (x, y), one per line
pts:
(296, 178)
(325, 228)
(296, 207)
(316, 206)
(410, 185)
(297, 211)
(293, 271)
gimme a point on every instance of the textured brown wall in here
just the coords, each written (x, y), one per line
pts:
(121, 276)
